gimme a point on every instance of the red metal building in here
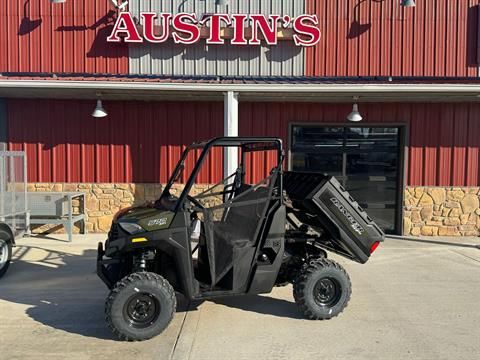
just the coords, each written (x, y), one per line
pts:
(414, 70)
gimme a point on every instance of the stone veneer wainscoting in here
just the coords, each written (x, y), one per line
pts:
(440, 211)
(102, 201)
(429, 211)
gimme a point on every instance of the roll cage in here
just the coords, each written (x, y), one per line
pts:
(247, 145)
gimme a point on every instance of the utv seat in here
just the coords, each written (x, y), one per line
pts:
(238, 229)
(242, 220)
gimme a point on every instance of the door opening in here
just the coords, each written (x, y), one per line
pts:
(368, 162)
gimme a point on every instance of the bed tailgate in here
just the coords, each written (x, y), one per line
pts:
(348, 225)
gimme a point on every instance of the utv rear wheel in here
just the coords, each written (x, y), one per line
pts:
(140, 306)
(322, 289)
(5, 252)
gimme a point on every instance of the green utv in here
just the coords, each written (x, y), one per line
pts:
(233, 238)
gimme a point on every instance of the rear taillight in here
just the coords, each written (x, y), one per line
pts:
(374, 247)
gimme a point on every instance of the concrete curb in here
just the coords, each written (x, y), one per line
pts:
(465, 242)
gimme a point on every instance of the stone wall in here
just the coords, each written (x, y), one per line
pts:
(436, 211)
(103, 201)
(429, 211)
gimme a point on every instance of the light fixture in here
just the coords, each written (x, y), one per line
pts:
(408, 3)
(355, 115)
(221, 2)
(119, 6)
(99, 111)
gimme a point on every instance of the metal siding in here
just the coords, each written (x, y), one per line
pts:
(363, 43)
(172, 59)
(3, 125)
(447, 112)
(142, 141)
(460, 146)
(473, 159)
(65, 40)
(352, 46)
(443, 139)
(381, 38)
(329, 38)
(342, 31)
(437, 38)
(138, 142)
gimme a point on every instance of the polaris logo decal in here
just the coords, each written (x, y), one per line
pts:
(354, 223)
(158, 222)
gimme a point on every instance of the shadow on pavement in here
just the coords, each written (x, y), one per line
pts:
(62, 289)
(63, 292)
(48, 236)
(262, 305)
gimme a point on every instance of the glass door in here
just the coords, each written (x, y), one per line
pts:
(366, 160)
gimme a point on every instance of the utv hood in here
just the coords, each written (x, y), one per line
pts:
(148, 217)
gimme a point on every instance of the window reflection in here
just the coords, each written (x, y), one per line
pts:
(365, 159)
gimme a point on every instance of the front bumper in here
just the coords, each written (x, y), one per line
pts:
(102, 267)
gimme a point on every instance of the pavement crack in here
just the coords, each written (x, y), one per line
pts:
(194, 336)
(468, 257)
(172, 354)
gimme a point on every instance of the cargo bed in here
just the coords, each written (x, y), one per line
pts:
(320, 202)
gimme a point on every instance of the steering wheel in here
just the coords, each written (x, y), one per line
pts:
(195, 202)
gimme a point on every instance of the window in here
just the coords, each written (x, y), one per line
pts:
(365, 159)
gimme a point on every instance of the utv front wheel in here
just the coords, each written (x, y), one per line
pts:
(322, 289)
(5, 252)
(140, 306)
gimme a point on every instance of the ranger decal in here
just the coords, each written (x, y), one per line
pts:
(158, 222)
(355, 225)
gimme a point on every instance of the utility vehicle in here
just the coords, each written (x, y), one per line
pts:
(236, 237)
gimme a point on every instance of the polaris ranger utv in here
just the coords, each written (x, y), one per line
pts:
(233, 238)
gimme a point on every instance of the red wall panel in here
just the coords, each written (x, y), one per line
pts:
(443, 140)
(142, 141)
(359, 38)
(137, 142)
(37, 36)
(381, 38)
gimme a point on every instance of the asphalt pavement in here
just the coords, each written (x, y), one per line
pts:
(415, 299)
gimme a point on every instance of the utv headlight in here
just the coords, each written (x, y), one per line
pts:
(131, 228)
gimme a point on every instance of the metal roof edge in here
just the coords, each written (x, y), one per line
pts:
(271, 88)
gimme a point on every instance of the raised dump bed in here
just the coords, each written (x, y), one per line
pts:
(321, 202)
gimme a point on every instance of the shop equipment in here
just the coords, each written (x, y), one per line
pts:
(14, 215)
(56, 208)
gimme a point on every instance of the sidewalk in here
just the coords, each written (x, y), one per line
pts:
(413, 300)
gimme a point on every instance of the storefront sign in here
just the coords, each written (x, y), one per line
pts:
(240, 29)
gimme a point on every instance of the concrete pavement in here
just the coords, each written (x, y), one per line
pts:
(413, 300)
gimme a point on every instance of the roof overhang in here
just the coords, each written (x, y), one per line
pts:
(321, 92)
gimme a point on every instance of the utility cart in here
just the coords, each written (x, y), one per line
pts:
(14, 215)
(252, 236)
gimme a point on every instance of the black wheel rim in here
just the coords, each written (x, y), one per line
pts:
(327, 292)
(142, 310)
